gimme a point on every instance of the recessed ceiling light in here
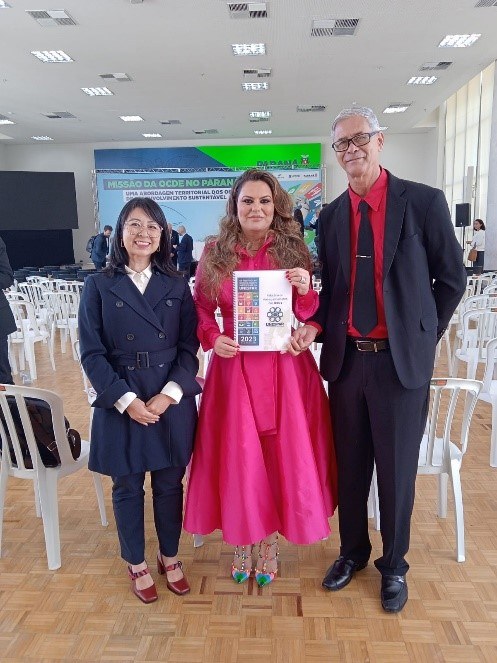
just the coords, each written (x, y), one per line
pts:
(311, 109)
(252, 87)
(51, 18)
(52, 56)
(41, 138)
(422, 80)
(169, 122)
(458, 41)
(120, 77)
(397, 108)
(5, 120)
(260, 114)
(249, 49)
(97, 91)
(131, 118)
(435, 66)
(152, 135)
(4, 5)
(263, 132)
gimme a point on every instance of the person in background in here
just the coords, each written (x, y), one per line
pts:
(7, 322)
(174, 244)
(392, 276)
(299, 218)
(478, 242)
(264, 460)
(185, 252)
(138, 345)
(101, 246)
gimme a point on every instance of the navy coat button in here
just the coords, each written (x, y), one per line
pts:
(119, 304)
(130, 337)
(131, 368)
(169, 302)
(162, 335)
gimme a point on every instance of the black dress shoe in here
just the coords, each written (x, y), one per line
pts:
(340, 573)
(393, 593)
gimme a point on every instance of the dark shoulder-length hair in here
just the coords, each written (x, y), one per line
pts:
(480, 221)
(161, 259)
(287, 249)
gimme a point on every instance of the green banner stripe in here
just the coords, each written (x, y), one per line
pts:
(241, 157)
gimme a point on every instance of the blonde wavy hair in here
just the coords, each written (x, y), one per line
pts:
(287, 249)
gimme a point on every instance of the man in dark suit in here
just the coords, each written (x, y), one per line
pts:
(101, 247)
(185, 252)
(174, 244)
(392, 276)
(7, 322)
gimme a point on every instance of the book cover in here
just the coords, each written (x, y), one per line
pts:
(262, 305)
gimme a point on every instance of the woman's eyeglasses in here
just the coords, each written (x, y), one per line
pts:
(134, 228)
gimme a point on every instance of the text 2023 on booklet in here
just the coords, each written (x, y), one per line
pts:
(262, 304)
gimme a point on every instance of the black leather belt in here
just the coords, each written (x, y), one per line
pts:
(369, 345)
(145, 359)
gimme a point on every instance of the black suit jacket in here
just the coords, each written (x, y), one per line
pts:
(185, 250)
(7, 322)
(100, 248)
(423, 278)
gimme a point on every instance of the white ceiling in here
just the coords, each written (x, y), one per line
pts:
(178, 54)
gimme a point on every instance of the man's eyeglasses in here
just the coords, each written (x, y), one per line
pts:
(152, 229)
(359, 140)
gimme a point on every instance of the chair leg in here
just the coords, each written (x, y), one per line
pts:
(458, 509)
(374, 502)
(29, 350)
(4, 477)
(36, 491)
(493, 437)
(99, 489)
(50, 515)
(442, 495)
(73, 335)
(198, 540)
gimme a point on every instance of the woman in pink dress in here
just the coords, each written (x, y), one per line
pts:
(263, 458)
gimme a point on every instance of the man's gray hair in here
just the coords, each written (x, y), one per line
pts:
(354, 111)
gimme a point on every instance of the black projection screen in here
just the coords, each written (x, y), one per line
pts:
(37, 201)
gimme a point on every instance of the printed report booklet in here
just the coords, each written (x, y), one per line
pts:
(262, 305)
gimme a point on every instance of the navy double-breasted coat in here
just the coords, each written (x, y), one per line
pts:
(134, 342)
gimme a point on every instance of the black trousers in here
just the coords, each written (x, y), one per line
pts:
(376, 420)
(128, 500)
(5, 370)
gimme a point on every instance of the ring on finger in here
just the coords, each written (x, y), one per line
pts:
(302, 279)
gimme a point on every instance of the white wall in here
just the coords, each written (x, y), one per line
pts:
(411, 156)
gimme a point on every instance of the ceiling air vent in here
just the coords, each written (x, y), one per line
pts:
(248, 9)
(434, 66)
(170, 122)
(205, 131)
(310, 109)
(59, 115)
(259, 119)
(51, 17)
(486, 3)
(121, 78)
(260, 73)
(334, 27)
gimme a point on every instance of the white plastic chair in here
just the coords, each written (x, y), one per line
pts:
(29, 331)
(479, 326)
(62, 309)
(45, 479)
(488, 394)
(444, 445)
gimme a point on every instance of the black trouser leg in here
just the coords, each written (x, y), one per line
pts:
(5, 369)
(128, 500)
(167, 492)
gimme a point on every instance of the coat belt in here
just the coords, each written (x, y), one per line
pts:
(145, 359)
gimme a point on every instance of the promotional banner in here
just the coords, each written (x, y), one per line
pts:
(194, 192)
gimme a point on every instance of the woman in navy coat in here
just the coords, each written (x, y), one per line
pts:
(139, 347)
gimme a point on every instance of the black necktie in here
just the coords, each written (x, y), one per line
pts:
(364, 316)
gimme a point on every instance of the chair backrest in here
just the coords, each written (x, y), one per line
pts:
(63, 306)
(445, 393)
(25, 318)
(488, 376)
(20, 393)
(479, 326)
(35, 293)
(90, 392)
